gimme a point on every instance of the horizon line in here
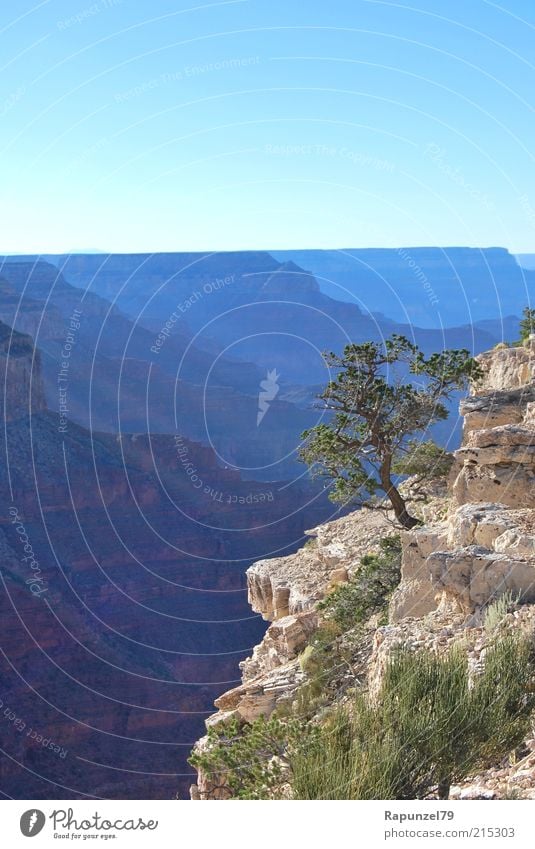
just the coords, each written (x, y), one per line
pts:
(98, 252)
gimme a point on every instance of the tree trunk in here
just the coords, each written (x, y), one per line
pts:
(398, 503)
(443, 789)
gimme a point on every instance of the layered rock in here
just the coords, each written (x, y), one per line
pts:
(487, 545)
(416, 596)
(285, 591)
(506, 368)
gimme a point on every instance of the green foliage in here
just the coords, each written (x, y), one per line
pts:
(527, 323)
(321, 661)
(496, 611)
(249, 760)
(376, 410)
(368, 591)
(430, 726)
(424, 459)
(347, 608)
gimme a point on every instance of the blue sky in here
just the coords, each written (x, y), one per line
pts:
(182, 125)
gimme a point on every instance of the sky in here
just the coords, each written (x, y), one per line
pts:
(180, 125)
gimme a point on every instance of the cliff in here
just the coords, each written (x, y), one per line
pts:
(485, 546)
(22, 389)
(476, 544)
(461, 285)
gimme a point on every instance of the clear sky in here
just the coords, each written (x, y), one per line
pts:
(160, 125)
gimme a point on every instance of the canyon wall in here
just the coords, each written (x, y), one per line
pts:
(21, 384)
(122, 594)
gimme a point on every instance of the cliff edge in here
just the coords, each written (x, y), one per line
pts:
(475, 545)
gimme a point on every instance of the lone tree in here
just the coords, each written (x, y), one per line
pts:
(377, 408)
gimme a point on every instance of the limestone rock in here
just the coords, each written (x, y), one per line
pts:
(285, 586)
(415, 595)
(516, 544)
(221, 718)
(496, 408)
(282, 641)
(473, 576)
(478, 524)
(488, 543)
(512, 485)
(506, 368)
(259, 697)
(333, 553)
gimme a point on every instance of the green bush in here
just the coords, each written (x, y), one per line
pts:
(321, 662)
(424, 460)
(430, 726)
(368, 591)
(248, 760)
(498, 609)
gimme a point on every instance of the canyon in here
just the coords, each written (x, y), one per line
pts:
(121, 540)
(138, 487)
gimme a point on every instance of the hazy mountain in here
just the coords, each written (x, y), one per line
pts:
(258, 309)
(117, 383)
(171, 342)
(428, 287)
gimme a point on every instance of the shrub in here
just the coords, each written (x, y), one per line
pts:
(429, 726)
(368, 591)
(321, 662)
(248, 760)
(497, 610)
(425, 460)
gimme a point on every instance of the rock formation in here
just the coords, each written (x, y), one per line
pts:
(492, 276)
(285, 590)
(486, 544)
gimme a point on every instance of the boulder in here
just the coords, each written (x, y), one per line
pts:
(473, 576)
(415, 595)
